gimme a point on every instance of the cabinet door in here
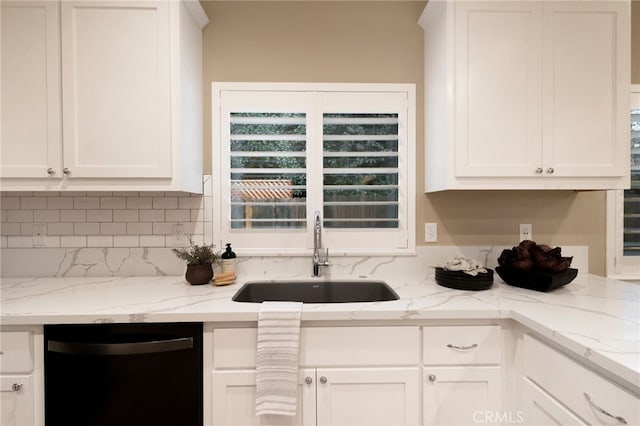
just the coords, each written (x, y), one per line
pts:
(586, 88)
(16, 400)
(233, 400)
(460, 395)
(541, 409)
(368, 396)
(31, 133)
(116, 88)
(498, 89)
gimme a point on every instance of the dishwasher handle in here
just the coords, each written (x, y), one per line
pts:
(134, 348)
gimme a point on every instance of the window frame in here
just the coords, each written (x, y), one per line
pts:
(293, 242)
(618, 265)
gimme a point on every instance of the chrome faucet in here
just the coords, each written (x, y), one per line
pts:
(318, 260)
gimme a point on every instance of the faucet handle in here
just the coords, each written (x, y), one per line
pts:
(324, 260)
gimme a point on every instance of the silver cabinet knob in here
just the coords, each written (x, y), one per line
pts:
(550, 170)
(323, 380)
(539, 171)
(51, 172)
(66, 171)
(431, 377)
(308, 380)
(16, 387)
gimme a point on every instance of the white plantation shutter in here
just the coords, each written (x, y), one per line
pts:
(285, 151)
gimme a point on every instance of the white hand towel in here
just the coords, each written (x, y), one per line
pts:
(277, 359)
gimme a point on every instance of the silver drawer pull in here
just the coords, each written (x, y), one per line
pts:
(16, 387)
(606, 413)
(308, 380)
(463, 348)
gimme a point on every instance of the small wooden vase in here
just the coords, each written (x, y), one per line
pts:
(199, 274)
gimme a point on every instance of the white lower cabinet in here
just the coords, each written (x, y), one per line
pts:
(16, 399)
(559, 390)
(542, 409)
(234, 400)
(327, 396)
(349, 376)
(21, 378)
(461, 374)
(461, 395)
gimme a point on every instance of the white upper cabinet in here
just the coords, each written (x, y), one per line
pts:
(130, 114)
(526, 95)
(31, 120)
(116, 89)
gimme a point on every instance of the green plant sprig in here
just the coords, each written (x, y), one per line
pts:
(196, 254)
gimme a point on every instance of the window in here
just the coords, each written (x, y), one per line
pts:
(623, 210)
(284, 151)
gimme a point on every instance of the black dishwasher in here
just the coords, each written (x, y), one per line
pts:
(123, 374)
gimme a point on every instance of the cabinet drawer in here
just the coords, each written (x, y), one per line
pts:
(325, 346)
(16, 351)
(576, 387)
(16, 400)
(462, 345)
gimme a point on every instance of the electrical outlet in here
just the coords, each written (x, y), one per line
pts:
(430, 232)
(177, 235)
(526, 231)
(39, 234)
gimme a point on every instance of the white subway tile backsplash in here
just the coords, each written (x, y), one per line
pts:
(10, 203)
(30, 203)
(86, 202)
(60, 203)
(165, 202)
(139, 228)
(19, 241)
(46, 215)
(186, 203)
(139, 202)
(86, 228)
(163, 228)
(73, 215)
(151, 215)
(99, 241)
(99, 216)
(26, 229)
(125, 215)
(125, 219)
(10, 228)
(113, 228)
(126, 241)
(113, 202)
(52, 241)
(177, 215)
(60, 228)
(73, 241)
(152, 241)
(20, 216)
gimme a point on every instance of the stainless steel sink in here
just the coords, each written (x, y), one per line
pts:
(314, 291)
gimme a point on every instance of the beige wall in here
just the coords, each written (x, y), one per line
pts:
(381, 42)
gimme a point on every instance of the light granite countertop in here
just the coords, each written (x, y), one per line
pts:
(593, 317)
